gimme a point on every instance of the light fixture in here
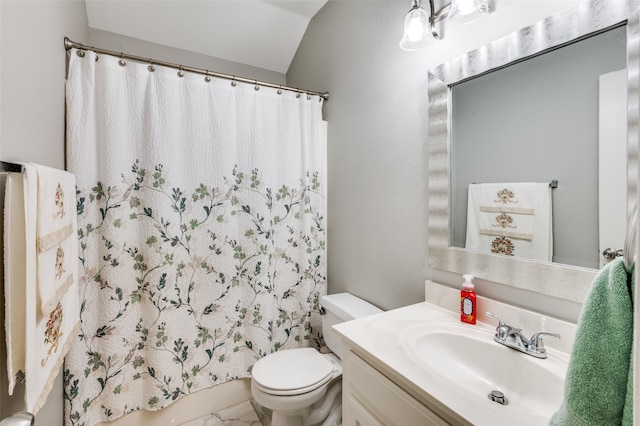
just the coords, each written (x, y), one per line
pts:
(418, 24)
(465, 11)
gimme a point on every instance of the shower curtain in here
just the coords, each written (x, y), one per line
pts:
(201, 231)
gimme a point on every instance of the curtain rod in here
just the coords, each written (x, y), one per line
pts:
(69, 44)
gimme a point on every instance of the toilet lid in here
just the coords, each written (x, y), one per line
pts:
(289, 370)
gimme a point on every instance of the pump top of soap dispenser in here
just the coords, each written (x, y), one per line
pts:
(468, 282)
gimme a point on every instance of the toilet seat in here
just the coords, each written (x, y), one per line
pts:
(292, 372)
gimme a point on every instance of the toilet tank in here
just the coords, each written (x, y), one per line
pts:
(342, 307)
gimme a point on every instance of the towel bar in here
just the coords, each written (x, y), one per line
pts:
(552, 184)
(10, 167)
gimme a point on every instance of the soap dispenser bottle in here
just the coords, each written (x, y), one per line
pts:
(468, 300)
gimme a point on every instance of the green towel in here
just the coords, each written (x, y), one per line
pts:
(627, 414)
(598, 374)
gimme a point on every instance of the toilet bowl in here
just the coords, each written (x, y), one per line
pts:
(303, 387)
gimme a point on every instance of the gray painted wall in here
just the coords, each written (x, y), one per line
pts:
(377, 176)
(533, 122)
(377, 148)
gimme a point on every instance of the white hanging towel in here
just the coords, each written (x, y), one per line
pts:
(42, 338)
(14, 278)
(56, 235)
(511, 219)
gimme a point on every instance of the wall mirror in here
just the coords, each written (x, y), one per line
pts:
(464, 147)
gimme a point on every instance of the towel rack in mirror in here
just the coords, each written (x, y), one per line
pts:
(553, 184)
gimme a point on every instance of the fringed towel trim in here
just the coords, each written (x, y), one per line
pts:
(50, 240)
(48, 306)
(506, 209)
(48, 385)
(516, 235)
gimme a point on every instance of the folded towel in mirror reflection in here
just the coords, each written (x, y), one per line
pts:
(515, 197)
(598, 388)
(512, 219)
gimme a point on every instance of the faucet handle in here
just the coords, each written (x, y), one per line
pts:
(536, 345)
(502, 330)
(500, 322)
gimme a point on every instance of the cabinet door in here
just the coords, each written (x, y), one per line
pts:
(370, 399)
(355, 414)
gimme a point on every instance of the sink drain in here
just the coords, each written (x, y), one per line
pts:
(497, 396)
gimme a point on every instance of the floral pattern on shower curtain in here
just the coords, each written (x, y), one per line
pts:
(201, 232)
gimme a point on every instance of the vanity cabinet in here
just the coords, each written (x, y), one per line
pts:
(370, 399)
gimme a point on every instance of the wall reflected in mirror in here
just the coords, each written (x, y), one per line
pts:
(540, 120)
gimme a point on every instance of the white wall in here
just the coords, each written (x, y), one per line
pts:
(120, 43)
(377, 144)
(33, 73)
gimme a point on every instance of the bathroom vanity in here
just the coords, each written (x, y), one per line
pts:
(419, 365)
(370, 398)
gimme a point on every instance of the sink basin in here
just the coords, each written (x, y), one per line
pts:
(467, 358)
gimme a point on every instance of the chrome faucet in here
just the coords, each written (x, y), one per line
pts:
(513, 338)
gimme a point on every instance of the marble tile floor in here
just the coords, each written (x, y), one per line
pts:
(247, 413)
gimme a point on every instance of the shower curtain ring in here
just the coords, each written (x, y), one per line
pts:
(298, 94)
(122, 62)
(256, 87)
(233, 81)
(151, 68)
(206, 77)
(180, 72)
(280, 90)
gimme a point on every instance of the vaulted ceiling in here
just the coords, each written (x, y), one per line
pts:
(261, 33)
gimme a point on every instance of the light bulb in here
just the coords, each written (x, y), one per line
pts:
(416, 26)
(466, 7)
(465, 11)
(416, 30)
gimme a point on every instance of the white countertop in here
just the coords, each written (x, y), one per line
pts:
(380, 340)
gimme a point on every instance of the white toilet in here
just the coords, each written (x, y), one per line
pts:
(303, 387)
